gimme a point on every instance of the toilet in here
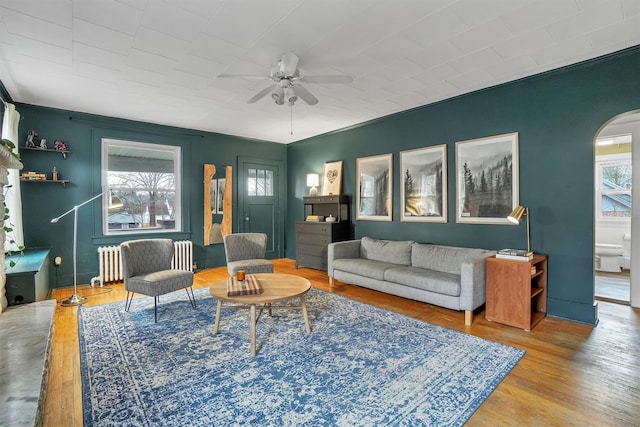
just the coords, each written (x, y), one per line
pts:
(608, 257)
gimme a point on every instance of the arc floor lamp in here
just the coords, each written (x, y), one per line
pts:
(114, 203)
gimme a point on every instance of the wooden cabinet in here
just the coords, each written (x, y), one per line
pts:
(28, 279)
(517, 291)
(313, 237)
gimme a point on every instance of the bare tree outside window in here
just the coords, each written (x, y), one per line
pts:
(145, 177)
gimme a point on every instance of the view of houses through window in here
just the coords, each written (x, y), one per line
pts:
(146, 178)
(615, 188)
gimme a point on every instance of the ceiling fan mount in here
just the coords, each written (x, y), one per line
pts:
(285, 76)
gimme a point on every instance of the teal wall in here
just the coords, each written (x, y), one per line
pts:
(83, 133)
(557, 115)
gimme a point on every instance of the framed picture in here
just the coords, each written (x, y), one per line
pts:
(423, 184)
(487, 179)
(220, 196)
(332, 178)
(213, 196)
(374, 198)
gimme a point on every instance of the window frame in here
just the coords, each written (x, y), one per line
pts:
(176, 152)
(600, 163)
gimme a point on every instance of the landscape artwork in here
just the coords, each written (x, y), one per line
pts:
(220, 196)
(374, 188)
(423, 184)
(487, 179)
(213, 193)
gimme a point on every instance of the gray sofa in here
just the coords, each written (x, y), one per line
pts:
(446, 276)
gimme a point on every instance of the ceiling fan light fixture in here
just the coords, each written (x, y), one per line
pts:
(290, 95)
(278, 95)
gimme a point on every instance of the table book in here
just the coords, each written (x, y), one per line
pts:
(249, 286)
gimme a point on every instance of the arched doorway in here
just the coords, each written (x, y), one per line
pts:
(615, 143)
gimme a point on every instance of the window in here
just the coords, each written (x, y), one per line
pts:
(146, 178)
(613, 197)
(260, 183)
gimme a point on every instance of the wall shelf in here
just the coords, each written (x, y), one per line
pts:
(56, 181)
(63, 152)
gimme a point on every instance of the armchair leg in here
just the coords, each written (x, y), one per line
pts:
(468, 317)
(155, 307)
(192, 297)
(127, 303)
(330, 281)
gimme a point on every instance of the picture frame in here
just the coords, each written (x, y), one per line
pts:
(423, 184)
(374, 201)
(332, 178)
(487, 187)
(220, 195)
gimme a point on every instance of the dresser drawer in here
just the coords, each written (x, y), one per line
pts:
(316, 262)
(313, 250)
(313, 228)
(312, 239)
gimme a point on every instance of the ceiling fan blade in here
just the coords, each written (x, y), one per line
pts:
(305, 95)
(242, 76)
(288, 63)
(261, 94)
(327, 79)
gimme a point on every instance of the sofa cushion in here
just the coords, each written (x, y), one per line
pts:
(446, 259)
(363, 267)
(395, 252)
(428, 280)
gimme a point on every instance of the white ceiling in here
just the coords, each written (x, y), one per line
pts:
(158, 61)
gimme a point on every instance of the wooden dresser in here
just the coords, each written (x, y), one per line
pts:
(313, 237)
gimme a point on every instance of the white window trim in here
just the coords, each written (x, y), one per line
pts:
(177, 170)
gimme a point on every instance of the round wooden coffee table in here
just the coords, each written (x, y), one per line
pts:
(275, 287)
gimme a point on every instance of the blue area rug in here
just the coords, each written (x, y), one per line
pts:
(360, 366)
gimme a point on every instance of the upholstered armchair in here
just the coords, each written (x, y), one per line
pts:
(146, 266)
(246, 251)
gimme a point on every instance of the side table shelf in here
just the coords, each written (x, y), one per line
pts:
(517, 291)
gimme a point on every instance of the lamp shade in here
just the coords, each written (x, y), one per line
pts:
(115, 202)
(313, 180)
(516, 214)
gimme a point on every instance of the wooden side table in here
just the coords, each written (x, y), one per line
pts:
(517, 291)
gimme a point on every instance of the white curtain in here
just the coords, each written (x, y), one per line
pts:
(13, 198)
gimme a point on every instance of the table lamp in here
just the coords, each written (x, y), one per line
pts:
(313, 180)
(516, 214)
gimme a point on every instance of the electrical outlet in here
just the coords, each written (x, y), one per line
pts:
(57, 261)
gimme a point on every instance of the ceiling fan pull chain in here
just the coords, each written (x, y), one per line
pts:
(291, 119)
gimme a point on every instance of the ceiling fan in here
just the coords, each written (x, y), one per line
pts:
(286, 77)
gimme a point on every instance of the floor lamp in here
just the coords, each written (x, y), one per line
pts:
(114, 202)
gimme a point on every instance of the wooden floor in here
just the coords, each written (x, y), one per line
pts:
(572, 374)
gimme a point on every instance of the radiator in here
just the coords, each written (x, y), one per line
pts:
(110, 267)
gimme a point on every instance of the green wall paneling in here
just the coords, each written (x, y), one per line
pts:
(556, 114)
(83, 132)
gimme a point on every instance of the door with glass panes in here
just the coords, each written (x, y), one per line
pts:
(259, 202)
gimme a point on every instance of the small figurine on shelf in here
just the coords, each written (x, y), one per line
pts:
(43, 143)
(60, 146)
(54, 174)
(32, 138)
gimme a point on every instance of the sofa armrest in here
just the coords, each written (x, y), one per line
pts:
(338, 250)
(473, 292)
